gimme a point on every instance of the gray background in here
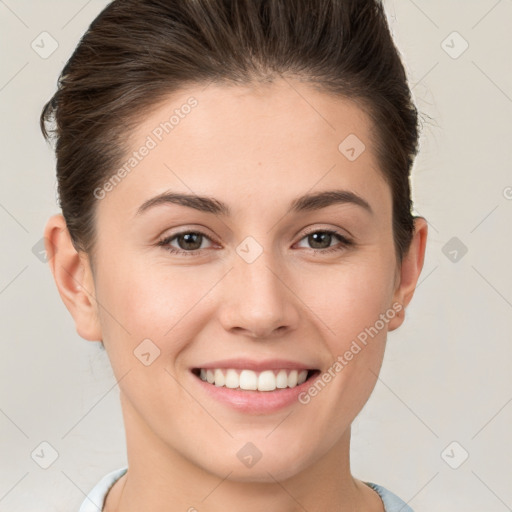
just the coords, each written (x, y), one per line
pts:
(445, 387)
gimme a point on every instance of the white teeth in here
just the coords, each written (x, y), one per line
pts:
(292, 379)
(219, 378)
(267, 380)
(248, 380)
(301, 377)
(232, 379)
(282, 379)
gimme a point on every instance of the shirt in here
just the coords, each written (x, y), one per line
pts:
(96, 498)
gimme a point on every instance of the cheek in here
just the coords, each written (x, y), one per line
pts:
(350, 297)
(152, 317)
(144, 301)
(351, 307)
(355, 308)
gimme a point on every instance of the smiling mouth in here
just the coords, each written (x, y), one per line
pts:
(249, 380)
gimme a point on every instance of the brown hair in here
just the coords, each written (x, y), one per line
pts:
(137, 52)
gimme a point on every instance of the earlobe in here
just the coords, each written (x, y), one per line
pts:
(73, 276)
(410, 270)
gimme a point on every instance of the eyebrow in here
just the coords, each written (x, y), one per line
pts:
(307, 202)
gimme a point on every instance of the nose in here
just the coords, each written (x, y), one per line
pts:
(258, 300)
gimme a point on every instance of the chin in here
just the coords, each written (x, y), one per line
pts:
(270, 467)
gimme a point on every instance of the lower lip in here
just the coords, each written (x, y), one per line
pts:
(256, 402)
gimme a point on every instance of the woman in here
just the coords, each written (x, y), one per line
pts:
(236, 229)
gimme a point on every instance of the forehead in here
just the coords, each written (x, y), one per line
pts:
(260, 141)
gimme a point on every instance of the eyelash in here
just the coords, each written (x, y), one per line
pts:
(164, 243)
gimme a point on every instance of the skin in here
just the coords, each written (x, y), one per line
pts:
(255, 149)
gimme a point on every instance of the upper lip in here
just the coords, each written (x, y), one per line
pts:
(257, 366)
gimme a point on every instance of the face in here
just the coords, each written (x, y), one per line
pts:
(255, 280)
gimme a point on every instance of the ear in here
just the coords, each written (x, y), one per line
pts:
(410, 271)
(73, 276)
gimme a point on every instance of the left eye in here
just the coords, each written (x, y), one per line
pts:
(316, 238)
(189, 242)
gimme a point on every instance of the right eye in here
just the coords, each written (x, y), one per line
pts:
(191, 239)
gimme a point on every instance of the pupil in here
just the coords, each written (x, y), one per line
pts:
(314, 236)
(187, 237)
